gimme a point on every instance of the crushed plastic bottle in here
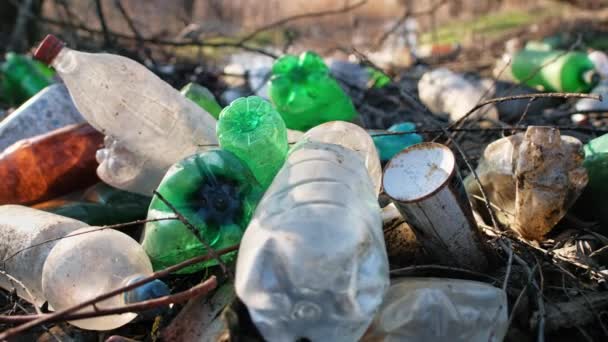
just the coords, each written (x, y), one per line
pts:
(22, 78)
(389, 145)
(440, 309)
(305, 94)
(534, 177)
(92, 261)
(255, 132)
(50, 165)
(555, 70)
(100, 205)
(67, 271)
(202, 97)
(312, 263)
(217, 193)
(50, 109)
(444, 91)
(143, 113)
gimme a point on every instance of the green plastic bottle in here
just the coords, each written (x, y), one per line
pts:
(22, 78)
(555, 70)
(255, 132)
(202, 97)
(217, 193)
(593, 203)
(100, 205)
(305, 94)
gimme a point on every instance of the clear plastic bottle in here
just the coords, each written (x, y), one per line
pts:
(312, 263)
(125, 100)
(91, 262)
(354, 137)
(22, 228)
(67, 270)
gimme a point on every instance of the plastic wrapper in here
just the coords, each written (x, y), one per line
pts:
(440, 309)
(533, 177)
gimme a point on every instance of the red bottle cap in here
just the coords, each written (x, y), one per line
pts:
(48, 49)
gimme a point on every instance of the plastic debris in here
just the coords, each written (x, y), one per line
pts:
(217, 193)
(533, 177)
(202, 97)
(593, 104)
(50, 109)
(440, 309)
(66, 271)
(600, 61)
(422, 183)
(389, 145)
(255, 132)
(100, 205)
(23, 78)
(444, 91)
(158, 133)
(353, 137)
(92, 262)
(305, 94)
(555, 70)
(50, 165)
(312, 263)
(596, 163)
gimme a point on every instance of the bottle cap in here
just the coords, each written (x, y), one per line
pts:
(151, 290)
(48, 49)
(591, 77)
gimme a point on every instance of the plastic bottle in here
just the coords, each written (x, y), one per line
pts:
(555, 70)
(353, 137)
(126, 101)
(592, 104)
(65, 270)
(305, 94)
(202, 97)
(22, 78)
(441, 309)
(444, 91)
(100, 205)
(90, 262)
(593, 199)
(389, 145)
(312, 263)
(50, 109)
(50, 165)
(252, 130)
(217, 193)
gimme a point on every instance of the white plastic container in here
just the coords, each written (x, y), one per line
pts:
(123, 99)
(312, 263)
(444, 91)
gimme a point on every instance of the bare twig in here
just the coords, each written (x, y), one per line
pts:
(62, 313)
(107, 39)
(195, 291)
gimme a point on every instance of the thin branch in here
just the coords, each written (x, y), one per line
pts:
(195, 291)
(107, 39)
(156, 275)
(286, 20)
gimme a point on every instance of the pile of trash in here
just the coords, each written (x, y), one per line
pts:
(310, 226)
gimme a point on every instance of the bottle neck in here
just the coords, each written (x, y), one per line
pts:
(65, 61)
